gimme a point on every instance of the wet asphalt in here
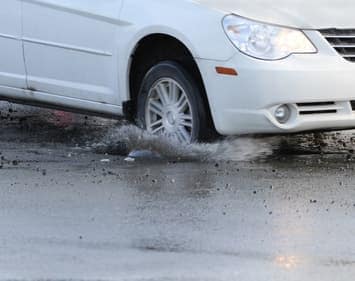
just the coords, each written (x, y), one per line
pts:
(74, 205)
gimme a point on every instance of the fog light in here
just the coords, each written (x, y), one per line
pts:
(283, 113)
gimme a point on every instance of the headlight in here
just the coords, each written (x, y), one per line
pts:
(265, 41)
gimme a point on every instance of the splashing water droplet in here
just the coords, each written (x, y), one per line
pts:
(126, 139)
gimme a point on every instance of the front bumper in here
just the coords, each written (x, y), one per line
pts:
(318, 88)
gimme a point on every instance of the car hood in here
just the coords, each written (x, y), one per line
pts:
(311, 14)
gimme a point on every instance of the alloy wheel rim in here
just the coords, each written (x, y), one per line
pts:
(169, 111)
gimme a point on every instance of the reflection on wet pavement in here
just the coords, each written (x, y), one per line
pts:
(287, 262)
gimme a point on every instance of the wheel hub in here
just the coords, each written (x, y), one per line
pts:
(171, 118)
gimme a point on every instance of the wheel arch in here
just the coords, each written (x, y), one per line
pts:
(153, 48)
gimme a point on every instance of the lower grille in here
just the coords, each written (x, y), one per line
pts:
(329, 111)
(352, 104)
(317, 108)
(342, 40)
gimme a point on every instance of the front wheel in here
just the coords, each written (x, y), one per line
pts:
(170, 103)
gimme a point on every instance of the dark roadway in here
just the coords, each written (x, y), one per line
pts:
(73, 207)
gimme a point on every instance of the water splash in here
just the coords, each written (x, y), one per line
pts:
(125, 139)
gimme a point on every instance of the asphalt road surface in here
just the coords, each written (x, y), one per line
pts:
(74, 206)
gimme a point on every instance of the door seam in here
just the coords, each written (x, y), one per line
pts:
(23, 47)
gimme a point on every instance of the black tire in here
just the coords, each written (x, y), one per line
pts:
(169, 69)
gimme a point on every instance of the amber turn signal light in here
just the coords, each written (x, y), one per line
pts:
(226, 71)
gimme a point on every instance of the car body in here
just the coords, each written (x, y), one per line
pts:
(92, 56)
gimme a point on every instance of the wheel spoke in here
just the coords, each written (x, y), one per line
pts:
(184, 134)
(185, 120)
(185, 117)
(157, 130)
(156, 107)
(156, 123)
(178, 137)
(163, 94)
(187, 124)
(182, 103)
(174, 91)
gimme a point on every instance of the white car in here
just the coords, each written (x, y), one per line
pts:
(185, 68)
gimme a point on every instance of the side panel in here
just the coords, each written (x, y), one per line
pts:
(12, 68)
(71, 48)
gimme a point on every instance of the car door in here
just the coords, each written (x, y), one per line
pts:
(12, 67)
(70, 48)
